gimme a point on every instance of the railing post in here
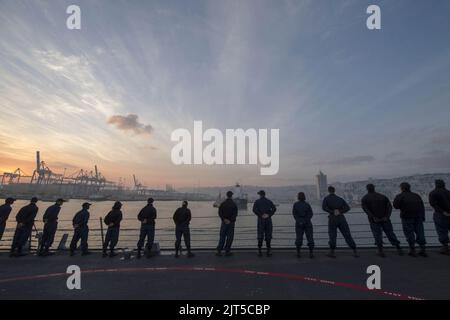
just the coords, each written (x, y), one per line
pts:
(29, 239)
(101, 232)
(38, 237)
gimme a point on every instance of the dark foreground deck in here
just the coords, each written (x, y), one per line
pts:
(242, 276)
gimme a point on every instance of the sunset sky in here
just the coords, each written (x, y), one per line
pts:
(352, 102)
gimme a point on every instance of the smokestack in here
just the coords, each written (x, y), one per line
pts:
(38, 161)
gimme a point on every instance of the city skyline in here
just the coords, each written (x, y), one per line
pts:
(348, 101)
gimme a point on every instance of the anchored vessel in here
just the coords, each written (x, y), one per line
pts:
(240, 199)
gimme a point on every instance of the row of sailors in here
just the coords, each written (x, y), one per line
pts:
(377, 207)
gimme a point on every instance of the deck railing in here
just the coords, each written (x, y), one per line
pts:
(206, 237)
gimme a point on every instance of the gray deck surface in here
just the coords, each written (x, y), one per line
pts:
(34, 277)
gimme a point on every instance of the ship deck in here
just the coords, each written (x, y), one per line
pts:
(243, 276)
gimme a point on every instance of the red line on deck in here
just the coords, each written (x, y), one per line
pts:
(224, 270)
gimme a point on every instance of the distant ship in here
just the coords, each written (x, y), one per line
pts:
(239, 198)
(98, 197)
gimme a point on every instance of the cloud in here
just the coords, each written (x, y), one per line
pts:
(440, 139)
(130, 122)
(394, 155)
(433, 160)
(63, 165)
(427, 161)
(349, 161)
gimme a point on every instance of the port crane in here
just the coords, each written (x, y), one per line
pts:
(140, 189)
(43, 174)
(13, 177)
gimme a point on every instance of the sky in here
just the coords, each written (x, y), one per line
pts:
(352, 102)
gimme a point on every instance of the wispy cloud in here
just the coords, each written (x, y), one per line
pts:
(348, 161)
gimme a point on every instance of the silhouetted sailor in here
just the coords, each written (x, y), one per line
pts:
(5, 210)
(147, 217)
(264, 209)
(112, 220)
(228, 212)
(81, 230)
(336, 207)
(25, 221)
(303, 213)
(50, 227)
(412, 213)
(379, 209)
(182, 218)
(440, 201)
